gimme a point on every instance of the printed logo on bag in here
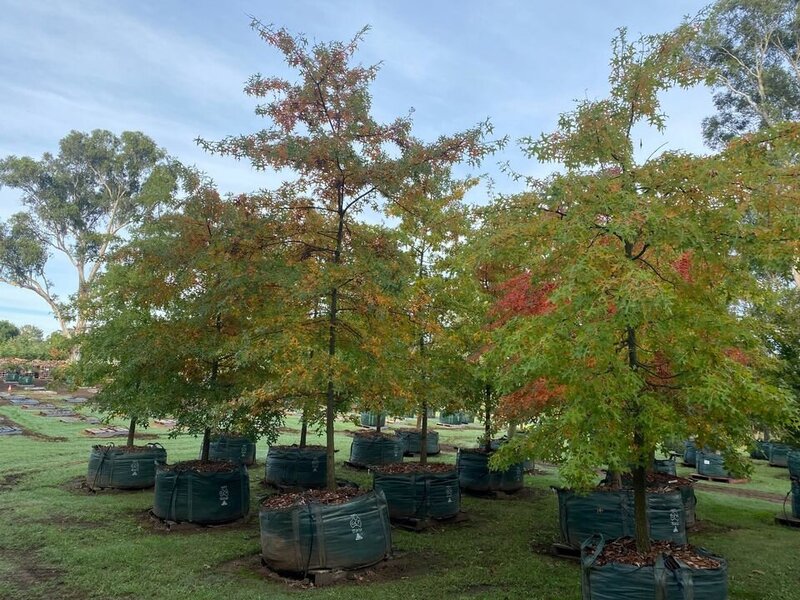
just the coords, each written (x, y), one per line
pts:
(356, 527)
(135, 468)
(244, 451)
(224, 495)
(449, 494)
(706, 462)
(674, 519)
(314, 464)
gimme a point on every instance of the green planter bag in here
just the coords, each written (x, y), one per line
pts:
(666, 465)
(235, 449)
(793, 462)
(419, 494)
(779, 455)
(761, 450)
(796, 498)
(611, 514)
(711, 464)
(667, 579)
(690, 453)
(372, 419)
(315, 536)
(202, 497)
(452, 418)
(295, 467)
(124, 468)
(12, 377)
(376, 449)
(412, 439)
(474, 474)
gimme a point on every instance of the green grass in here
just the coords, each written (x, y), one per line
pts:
(60, 542)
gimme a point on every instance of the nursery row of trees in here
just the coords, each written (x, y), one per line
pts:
(614, 305)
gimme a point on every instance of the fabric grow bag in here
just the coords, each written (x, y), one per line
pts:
(779, 455)
(337, 536)
(292, 466)
(474, 474)
(761, 450)
(666, 465)
(412, 438)
(452, 418)
(235, 449)
(376, 450)
(12, 376)
(668, 579)
(711, 464)
(201, 497)
(420, 495)
(25, 380)
(371, 419)
(611, 513)
(796, 498)
(116, 467)
(689, 504)
(793, 462)
(689, 453)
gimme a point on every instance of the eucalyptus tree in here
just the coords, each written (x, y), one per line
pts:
(79, 204)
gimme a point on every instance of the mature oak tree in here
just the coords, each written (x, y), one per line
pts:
(344, 162)
(627, 328)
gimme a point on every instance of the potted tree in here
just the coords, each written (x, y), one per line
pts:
(321, 127)
(376, 447)
(637, 265)
(195, 301)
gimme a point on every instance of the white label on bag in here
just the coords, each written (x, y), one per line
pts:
(674, 519)
(356, 527)
(706, 462)
(224, 495)
(135, 468)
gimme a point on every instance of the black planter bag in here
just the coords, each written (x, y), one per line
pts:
(291, 466)
(796, 498)
(420, 495)
(474, 474)
(711, 464)
(412, 438)
(668, 579)
(113, 467)
(203, 498)
(315, 536)
(611, 514)
(235, 449)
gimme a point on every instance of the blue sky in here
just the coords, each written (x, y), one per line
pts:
(175, 71)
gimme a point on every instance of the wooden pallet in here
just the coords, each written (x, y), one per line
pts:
(414, 524)
(565, 551)
(699, 477)
(786, 520)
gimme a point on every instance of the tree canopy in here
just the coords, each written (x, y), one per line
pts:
(79, 202)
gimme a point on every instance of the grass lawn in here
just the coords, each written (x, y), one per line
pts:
(58, 541)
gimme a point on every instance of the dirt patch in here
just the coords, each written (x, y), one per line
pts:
(741, 493)
(9, 481)
(199, 466)
(401, 566)
(412, 467)
(149, 522)
(32, 579)
(29, 433)
(623, 551)
(79, 486)
(706, 526)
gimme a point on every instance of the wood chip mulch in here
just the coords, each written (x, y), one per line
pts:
(340, 496)
(623, 551)
(374, 433)
(414, 467)
(127, 449)
(211, 466)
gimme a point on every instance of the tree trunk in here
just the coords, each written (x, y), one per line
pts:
(512, 430)
(333, 314)
(378, 423)
(487, 422)
(642, 534)
(131, 430)
(423, 435)
(303, 430)
(206, 444)
(616, 479)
